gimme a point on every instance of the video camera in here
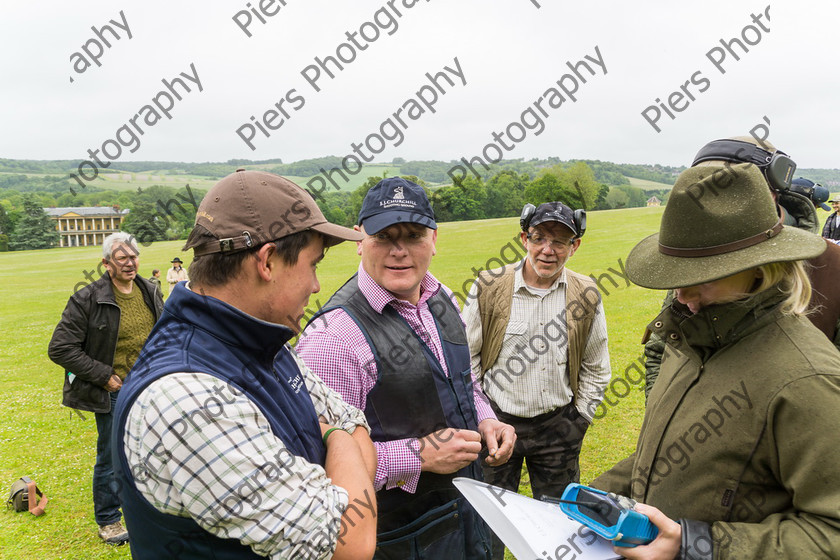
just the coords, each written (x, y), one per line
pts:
(814, 192)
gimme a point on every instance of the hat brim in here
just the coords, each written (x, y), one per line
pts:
(649, 268)
(335, 234)
(378, 222)
(563, 222)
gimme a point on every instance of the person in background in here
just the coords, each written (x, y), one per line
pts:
(831, 229)
(176, 274)
(392, 342)
(97, 340)
(155, 280)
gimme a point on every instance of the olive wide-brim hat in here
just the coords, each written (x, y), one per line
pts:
(720, 220)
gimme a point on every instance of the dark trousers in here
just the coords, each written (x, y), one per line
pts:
(549, 444)
(106, 502)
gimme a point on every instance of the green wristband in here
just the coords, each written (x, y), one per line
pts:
(331, 430)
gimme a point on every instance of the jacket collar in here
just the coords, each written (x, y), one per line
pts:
(717, 326)
(104, 289)
(226, 323)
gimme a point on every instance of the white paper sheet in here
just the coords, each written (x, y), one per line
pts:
(531, 529)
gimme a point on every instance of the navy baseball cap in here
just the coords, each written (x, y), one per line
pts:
(395, 200)
(554, 212)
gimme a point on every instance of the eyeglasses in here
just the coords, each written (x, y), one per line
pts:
(556, 244)
(124, 258)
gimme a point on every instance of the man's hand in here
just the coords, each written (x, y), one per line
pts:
(449, 450)
(666, 545)
(114, 383)
(499, 439)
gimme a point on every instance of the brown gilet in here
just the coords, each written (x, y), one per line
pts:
(495, 296)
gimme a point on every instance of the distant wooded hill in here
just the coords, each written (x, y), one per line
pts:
(146, 187)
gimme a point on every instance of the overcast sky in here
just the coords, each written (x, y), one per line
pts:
(509, 52)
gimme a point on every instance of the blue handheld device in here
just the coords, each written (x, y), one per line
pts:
(608, 515)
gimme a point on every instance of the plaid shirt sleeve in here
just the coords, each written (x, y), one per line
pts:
(328, 403)
(336, 350)
(198, 449)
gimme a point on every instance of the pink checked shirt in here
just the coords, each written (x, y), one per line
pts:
(334, 347)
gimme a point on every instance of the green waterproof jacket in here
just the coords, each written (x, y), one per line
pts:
(742, 431)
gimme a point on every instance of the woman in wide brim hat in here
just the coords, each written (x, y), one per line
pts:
(176, 274)
(739, 440)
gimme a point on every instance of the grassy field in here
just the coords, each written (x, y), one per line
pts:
(644, 184)
(56, 446)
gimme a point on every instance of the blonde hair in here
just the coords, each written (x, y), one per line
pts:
(791, 279)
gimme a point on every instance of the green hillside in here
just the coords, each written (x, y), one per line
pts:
(649, 185)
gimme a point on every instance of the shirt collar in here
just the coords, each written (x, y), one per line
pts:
(519, 280)
(378, 297)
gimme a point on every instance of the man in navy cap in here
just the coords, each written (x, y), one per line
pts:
(392, 342)
(538, 340)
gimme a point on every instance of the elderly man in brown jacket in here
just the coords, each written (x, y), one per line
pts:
(739, 440)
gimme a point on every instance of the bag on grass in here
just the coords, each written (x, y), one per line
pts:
(26, 496)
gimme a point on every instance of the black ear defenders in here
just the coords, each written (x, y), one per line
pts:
(777, 167)
(580, 221)
(526, 215)
(578, 218)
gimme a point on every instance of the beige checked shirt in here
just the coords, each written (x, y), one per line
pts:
(530, 377)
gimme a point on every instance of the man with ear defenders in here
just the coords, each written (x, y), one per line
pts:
(795, 203)
(538, 342)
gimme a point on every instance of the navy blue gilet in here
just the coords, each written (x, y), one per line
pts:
(413, 397)
(202, 334)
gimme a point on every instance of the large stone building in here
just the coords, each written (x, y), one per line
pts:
(86, 226)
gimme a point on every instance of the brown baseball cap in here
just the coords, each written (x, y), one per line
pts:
(249, 208)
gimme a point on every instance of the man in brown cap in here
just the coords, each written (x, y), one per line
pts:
(225, 444)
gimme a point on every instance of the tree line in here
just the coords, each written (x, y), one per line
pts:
(152, 216)
(503, 194)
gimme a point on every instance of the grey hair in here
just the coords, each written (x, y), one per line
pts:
(118, 237)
